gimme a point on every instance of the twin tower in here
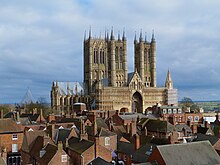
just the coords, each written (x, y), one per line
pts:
(105, 60)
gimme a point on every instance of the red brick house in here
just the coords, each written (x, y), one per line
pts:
(11, 137)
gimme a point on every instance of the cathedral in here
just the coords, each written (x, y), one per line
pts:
(108, 85)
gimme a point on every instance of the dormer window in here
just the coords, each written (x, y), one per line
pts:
(164, 111)
(179, 110)
(174, 111)
(169, 111)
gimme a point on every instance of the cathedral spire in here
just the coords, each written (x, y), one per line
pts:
(146, 37)
(119, 38)
(169, 82)
(85, 35)
(123, 37)
(107, 37)
(90, 33)
(135, 38)
(153, 38)
(141, 38)
(112, 35)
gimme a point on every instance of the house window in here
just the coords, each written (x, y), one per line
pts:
(190, 118)
(174, 111)
(63, 158)
(178, 135)
(180, 119)
(14, 137)
(164, 111)
(107, 141)
(196, 118)
(179, 110)
(124, 157)
(169, 111)
(14, 147)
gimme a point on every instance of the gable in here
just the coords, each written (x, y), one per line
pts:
(135, 82)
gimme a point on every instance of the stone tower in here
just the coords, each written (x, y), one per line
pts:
(105, 60)
(145, 59)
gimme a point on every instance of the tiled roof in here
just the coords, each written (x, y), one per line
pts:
(99, 161)
(105, 132)
(125, 147)
(202, 137)
(180, 127)
(8, 125)
(159, 126)
(79, 146)
(195, 153)
(29, 138)
(101, 123)
(62, 135)
(51, 150)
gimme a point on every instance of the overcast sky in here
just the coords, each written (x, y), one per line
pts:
(42, 41)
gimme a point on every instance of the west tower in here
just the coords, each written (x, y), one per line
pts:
(145, 59)
(105, 61)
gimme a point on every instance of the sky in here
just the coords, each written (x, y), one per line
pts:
(42, 41)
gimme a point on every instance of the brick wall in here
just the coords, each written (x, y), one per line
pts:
(156, 156)
(6, 141)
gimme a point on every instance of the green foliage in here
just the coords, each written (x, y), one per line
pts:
(187, 102)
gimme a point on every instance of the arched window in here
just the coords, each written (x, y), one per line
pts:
(121, 57)
(107, 141)
(95, 57)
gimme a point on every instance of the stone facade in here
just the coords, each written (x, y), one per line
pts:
(107, 83)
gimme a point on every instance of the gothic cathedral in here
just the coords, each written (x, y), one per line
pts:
(107, 83)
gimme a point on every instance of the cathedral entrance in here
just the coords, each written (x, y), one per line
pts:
(137, 103)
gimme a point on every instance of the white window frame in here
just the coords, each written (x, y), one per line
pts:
(107, 141)
(174, 111)
(164, 111)
(14, 136)
(195, 118)
(14, 147)
(169, 111)
(190, 118)
(179, 110)
(63, 158)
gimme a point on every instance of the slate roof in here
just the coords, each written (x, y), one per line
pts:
(50, 149)
(62, 135)
(101, 123)
(125, 147)
(29, 138)
(196, 153)
(159, 126)
(106, 133)
(142, 154)
(8, 125)
(180, 127)
(99, 161)
(202, 137)
(79, 146)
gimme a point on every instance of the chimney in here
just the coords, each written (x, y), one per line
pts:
(41, 115)
(127, 128)
(60, 146)
(91, 116)
(189, 123)
(51, 118)
(207, 124)
(194, 129)
(137, 141)
(17, 117)
(2, 113)
(133, 128)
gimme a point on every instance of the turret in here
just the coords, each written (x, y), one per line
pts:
(169, 82)
(123, 37)
(135, 38)
(140, 38)
(112, 35)
(153, 61)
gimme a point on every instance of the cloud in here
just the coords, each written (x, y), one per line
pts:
(42, 41)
